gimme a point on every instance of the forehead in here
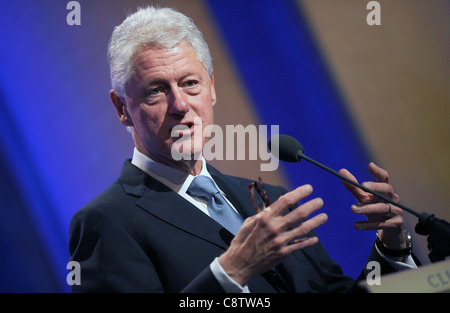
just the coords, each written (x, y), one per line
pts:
(162, 60)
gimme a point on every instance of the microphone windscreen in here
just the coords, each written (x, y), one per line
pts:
(288, 148)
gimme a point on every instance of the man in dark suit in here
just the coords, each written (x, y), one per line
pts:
(154, 231)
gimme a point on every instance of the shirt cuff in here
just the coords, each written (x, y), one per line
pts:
(227, 283)
(407, 264)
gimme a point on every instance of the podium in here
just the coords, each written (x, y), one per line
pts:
(433, 278)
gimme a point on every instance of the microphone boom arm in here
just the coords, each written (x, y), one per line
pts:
(303, 156)
(438, 230)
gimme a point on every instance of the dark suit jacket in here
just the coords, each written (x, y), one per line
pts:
(140, 236)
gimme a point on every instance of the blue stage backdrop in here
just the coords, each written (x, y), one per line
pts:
(59, 134)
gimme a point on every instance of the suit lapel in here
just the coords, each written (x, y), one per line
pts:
(162, 202)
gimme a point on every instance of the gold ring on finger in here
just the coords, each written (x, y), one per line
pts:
(390, 209)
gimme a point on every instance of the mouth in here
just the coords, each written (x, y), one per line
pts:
(183, 129)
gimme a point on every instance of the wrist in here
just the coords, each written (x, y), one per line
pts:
(404, 250)
(231, 271)
(227, 283)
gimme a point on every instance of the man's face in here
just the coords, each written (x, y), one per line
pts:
(170, 88)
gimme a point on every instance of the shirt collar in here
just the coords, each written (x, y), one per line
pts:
(173, 178)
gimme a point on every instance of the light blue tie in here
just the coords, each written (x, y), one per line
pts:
(218, 208)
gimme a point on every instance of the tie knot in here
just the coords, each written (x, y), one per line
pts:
(203, 187)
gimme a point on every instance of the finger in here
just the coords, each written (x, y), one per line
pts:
(299, 244)
(393, 222)
(382, 185)
(302, 212)
(297, 239)
(289, 199)
(379, 208)
(306, 227)
(384, 189)
(380, 174)
(358, 193)
(366, 225)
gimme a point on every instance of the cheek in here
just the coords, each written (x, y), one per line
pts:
(148, 124)
(209, 120)
(208, 115)
(151, 116)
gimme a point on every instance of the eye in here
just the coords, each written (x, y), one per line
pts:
(153, 92)
(191, 83)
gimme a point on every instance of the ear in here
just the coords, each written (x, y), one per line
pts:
(121, 109)
(213, 90)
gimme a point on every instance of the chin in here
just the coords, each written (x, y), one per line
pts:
(186, 151)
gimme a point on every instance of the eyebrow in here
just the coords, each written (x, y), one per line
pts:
(161, 81)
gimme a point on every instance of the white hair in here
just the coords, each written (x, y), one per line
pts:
(149, 27)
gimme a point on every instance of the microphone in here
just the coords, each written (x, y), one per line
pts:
(290, 150)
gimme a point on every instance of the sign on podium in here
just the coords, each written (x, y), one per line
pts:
(425, 279)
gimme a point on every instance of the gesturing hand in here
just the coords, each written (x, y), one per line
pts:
(387, 218)
(265, 239)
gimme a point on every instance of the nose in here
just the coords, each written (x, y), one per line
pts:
(178, 104)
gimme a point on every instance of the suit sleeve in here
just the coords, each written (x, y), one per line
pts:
(205, 282)
(112, 261)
